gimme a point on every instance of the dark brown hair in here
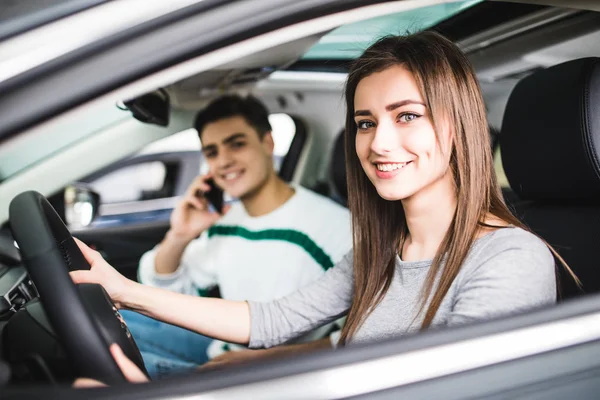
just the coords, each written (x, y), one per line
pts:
(452, 94)
(228, 106)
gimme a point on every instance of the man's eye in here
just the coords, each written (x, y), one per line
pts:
(211, 154)
(237, 145)
(362, 125)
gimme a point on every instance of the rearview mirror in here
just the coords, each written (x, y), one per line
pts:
(81, 205)
(151, 108)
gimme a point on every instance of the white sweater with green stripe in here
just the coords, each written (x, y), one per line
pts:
(261, 258)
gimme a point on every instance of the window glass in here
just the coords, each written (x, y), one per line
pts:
(131, 183)
(284, 130)
(349, 41)
(28, 150)
(183, 141)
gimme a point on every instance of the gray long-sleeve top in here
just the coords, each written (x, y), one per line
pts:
(505, 272)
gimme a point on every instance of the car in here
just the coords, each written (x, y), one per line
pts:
(73, 77)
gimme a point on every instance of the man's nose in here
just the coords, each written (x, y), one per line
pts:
(224, 159)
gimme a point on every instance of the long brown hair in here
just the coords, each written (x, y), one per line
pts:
(452, 94)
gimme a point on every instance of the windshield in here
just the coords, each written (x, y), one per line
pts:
(26, 150)
(345, 42)
(349, 41)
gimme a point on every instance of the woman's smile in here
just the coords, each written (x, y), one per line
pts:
(390, 170)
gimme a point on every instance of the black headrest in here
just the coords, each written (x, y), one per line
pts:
(338, 168)
(550, 139)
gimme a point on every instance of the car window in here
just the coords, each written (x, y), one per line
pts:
(132, 183)
(182, 141)
(284, 130)
(349, 41)
(28, 150)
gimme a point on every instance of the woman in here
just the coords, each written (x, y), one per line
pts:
(434, 243)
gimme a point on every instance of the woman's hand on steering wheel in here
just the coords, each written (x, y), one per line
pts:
(102, 273)
(130, 370)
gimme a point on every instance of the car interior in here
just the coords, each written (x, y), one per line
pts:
(539, 69)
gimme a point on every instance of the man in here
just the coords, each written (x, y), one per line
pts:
(275, 240)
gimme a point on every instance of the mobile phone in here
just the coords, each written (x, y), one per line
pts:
(214, 196)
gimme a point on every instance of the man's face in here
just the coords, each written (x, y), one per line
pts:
(239, 160)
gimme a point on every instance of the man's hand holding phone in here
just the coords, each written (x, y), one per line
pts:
(192, 215)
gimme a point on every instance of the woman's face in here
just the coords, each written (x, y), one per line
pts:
(395, 141)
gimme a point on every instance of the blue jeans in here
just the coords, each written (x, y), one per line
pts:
(166, 349)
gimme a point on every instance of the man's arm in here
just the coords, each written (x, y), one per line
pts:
(188, 220)
(169, 253)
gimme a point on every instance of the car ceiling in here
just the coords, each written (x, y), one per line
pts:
(499, 65)
(242, 74)
(581, 4)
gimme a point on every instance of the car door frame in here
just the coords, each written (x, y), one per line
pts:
(561, 320)
(188, 167)
(555, 351)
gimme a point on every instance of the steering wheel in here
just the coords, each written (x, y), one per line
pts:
(83, 316)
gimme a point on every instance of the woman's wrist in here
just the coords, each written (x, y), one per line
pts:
(130, 296)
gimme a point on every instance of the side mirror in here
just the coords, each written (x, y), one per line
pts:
(81, 205)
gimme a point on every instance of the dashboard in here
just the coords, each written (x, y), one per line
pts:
(16, 289)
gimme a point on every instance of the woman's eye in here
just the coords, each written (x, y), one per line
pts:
(407, 117)
(362, 125)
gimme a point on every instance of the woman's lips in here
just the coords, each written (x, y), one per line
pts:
(390, 170)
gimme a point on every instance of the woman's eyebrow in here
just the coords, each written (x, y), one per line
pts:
(363, 113)
(393, 106)
(389, 107)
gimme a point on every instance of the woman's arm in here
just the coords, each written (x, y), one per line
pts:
(323, 301)
(220, 319)
(516, 274)
(195, 270)
(257, 324)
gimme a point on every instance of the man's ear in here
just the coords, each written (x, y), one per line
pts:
(268, 142)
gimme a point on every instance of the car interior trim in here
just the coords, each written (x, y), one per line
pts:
(120, 208)
(429, 363)
(27, 51)
(513, 28)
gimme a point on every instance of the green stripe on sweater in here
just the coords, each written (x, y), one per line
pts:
(285, 235)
